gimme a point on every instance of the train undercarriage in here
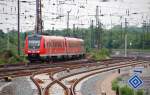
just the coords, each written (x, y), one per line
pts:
(38, 58)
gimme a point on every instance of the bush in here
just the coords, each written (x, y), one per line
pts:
(119, 79)
(16, 59)
(140, 92)
(12, 60)
(126, 91)
(2, 61)
(100, 54)
(7, 54)
(114, 85)
(8, 57)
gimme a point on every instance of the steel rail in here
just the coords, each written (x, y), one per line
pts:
(36, 83)
(59, 80)
(67, 90)
(105, 70)
(103, 66)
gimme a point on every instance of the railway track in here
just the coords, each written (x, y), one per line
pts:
(70, 90)
(52, 69)
(110, 68)
(65, 68)
(17, 70)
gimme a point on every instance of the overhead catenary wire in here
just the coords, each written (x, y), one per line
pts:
(48, 13)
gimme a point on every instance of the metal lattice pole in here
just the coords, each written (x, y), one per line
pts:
(68, 12)
(18, 27)
(39, 17)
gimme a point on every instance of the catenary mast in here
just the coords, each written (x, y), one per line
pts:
(39, 26)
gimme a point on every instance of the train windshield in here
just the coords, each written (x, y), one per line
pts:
(34, 42)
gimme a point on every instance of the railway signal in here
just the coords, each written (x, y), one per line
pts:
(119, 71)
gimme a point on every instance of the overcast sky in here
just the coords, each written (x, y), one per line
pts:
(82, 12)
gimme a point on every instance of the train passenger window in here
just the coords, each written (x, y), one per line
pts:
(63, 44)
(58, 44)
(53, 44)
(46, 44)
(69, 44)
(49, 43)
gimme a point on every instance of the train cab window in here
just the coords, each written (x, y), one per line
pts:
(34, 42)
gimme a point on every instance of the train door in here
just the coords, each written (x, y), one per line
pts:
(66, 47)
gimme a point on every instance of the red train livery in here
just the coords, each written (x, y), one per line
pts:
(49, 47)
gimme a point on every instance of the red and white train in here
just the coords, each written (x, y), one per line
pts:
(41, 47)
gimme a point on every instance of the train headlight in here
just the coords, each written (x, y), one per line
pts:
(29, 51)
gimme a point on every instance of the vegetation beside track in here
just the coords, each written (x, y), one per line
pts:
(99, 54)
(124, 90)
(8, 47)
(8, 57)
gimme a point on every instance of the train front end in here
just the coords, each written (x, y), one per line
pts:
(33, 47)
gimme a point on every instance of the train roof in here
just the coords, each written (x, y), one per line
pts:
(53, 37)
(76, 39)
(57, 37)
